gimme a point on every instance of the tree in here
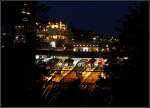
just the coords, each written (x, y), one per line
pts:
(134, 36)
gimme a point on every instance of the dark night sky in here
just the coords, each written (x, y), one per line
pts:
(98, 16)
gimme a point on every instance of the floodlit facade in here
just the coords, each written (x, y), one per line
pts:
(85, 47)
(55, 33)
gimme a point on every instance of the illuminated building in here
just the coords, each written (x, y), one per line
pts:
(55, 33)
(85, 47)
(25, 22)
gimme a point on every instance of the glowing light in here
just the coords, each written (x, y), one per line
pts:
(55, 37)
(53, 44)
(85, 49)
(4, 34)
(74, 49)
(102, 49)
(37, 57)
(97, 49)
(28, 13)
(64, 28)
(125, 58)
(36, 23)
(17, 37)
(46, 59)
(59, 64)
(94, 38)
(49, 23)
(23, 12)
(105, 60)
(102, 74)
(47, 38)
(2, 46)
(53, 26)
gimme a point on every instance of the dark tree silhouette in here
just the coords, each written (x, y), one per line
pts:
(134, 37)
(19, 72)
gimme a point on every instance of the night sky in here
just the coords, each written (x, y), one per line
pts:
(100, 17)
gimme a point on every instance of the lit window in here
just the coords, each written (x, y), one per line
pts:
(53, 44)
(85, 49)
(55, 37)
(56, 26)
(74, 49)
(53, 26)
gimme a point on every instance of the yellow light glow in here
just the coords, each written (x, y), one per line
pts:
(64, 28)
(85, 49)
(52, 26)
(56, 26)
(55, 37)
(74, 49)
(47, 38)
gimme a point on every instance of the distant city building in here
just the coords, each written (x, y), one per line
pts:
(85, 47)
(26, 21)
(55, 33)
